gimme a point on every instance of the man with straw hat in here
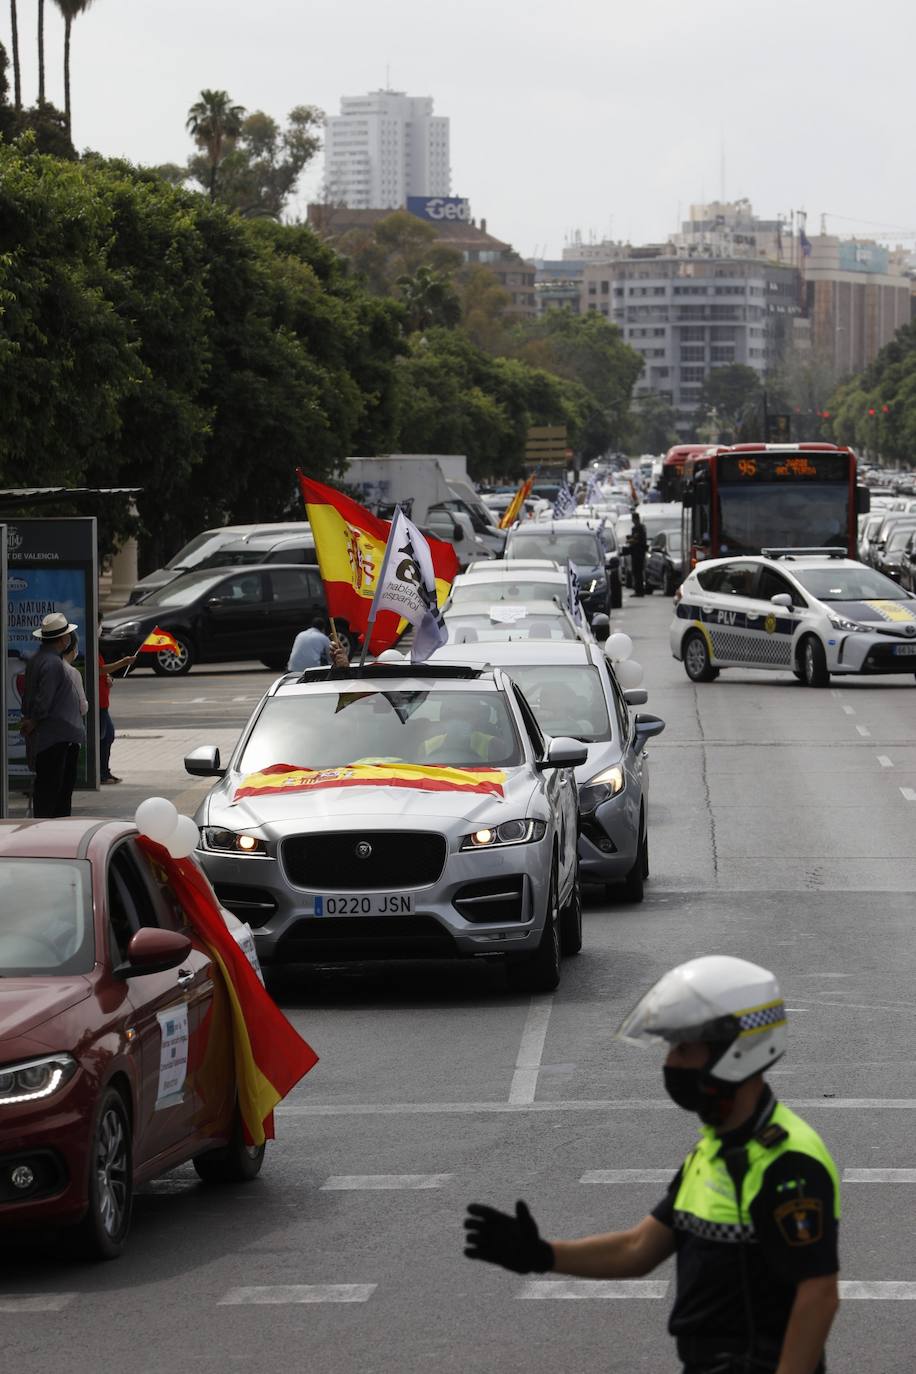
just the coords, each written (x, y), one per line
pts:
(51, 720)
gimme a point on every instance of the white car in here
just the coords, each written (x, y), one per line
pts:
(803, 611)
(508, 584)
(503, 620)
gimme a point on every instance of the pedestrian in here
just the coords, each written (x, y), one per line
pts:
(106, 724)
(752, 1213)
(51, 719)
(311, 647)
(637, 544)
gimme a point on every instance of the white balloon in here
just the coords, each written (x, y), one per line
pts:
(629, 674)
(157, 818)
(618, 647)
(390, 656)
(184, 840)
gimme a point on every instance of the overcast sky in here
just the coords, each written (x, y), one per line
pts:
(582, 115)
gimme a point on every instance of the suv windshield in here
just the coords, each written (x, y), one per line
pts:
(583, 549)
(567, 699)
(849, 584)
(462, 729)
(45, 917)
(183, 590)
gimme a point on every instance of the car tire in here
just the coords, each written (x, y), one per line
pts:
(813, 662)
(571, 920)
(167, 664)
(633, 888)
(670, 584)
(234, 1163)
(695, 653)
(103, 1231)
(798, 675)
(540, 972)
(616, 594)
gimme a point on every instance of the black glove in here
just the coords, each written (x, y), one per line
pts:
(513, 1242)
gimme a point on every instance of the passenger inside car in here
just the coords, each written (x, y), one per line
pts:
(465, 736)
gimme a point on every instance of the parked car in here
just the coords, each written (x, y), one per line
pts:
(434, 820)
(889, 557)
(193, 554)
(665, 564)
(261, 548)
(98, 965)
(219, 616)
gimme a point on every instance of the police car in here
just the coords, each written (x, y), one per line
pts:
(811, 612)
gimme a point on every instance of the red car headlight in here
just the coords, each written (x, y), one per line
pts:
(34, 1079)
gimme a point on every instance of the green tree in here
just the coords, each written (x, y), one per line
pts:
(258, 174)
(734, 392)
(486, 309)
(17, 69)
(875, 411)
(70, 9)
(429, 299)
(396, 247)
(215, 124)
(654, 424)
(802, 386)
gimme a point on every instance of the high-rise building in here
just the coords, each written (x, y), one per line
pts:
(384, 147)
(857, 295)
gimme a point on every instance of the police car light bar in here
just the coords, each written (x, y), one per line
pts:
(830, 552)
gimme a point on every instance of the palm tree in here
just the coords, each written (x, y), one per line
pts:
(41, 52)
(17, 71)
(215, 123)
(70, 9)
(429, 299)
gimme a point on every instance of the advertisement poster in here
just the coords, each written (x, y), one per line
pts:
(5, 698)
(51, 567)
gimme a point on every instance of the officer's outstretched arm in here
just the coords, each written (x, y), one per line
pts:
(617, 1255)
(815, 1306)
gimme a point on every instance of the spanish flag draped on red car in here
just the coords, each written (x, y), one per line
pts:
(350, 543)
(270, 1055)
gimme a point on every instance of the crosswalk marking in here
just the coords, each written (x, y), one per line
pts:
(884, 1291)
(879, 1175)
(566, 1289)
(283, 1293)
(383, 1182)
(525, 1078)
(35, 1302)
(627, 1176)
(301, 1109)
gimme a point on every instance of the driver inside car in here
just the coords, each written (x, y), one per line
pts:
(463, 737)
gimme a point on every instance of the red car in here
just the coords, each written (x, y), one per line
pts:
(116, 1059)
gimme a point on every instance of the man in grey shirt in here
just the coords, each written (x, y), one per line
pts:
(311, 647)
(51, 719)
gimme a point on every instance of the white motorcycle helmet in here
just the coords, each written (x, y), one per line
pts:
(728, 1003)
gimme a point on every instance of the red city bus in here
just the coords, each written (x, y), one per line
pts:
(750, 497)
(671, 482)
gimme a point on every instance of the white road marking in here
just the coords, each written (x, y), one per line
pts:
(883, 1291)
(280, 1293)
(539, 1289)
(527, 1066)
(610, 1104)
(908, 793)
(879, 1175)
(849, 710)
(864, 731)
(884, 761)
(35, 1302)
(383, 1182)
(628, 1176)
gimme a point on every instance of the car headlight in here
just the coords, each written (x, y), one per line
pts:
(129, 630)
(35, 1078)
(230, 842)
(601, 788)
(506, 833)
(840, 623)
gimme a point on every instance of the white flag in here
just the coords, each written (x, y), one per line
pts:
(407, 586)
(573, 591)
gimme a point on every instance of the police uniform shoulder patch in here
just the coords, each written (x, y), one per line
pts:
(801, 1220)
(771, 1135)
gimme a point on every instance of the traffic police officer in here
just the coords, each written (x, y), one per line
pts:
(751, 1215)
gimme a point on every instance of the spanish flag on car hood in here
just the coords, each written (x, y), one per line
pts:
(270, 1056)
(285, 777)
(350, 543)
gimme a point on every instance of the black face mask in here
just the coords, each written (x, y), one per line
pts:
(693, 1091)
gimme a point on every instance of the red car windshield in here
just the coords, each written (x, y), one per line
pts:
(45, 918)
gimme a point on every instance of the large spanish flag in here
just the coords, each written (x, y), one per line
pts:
(350, 544)
(285, 777)
(270, 1056)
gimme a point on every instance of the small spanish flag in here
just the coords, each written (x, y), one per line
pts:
(515, 505)
(157, 640)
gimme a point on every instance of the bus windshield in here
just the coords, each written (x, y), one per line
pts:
(763, 515)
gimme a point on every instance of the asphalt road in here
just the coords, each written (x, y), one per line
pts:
(781, 830)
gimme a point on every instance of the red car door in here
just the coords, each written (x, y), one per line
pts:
(165, 1020)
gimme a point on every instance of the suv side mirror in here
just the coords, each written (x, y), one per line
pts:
(563, 752)
(204, 762)
(783, 599)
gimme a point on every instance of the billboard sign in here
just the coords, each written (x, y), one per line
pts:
(439, 209)
(51, 566)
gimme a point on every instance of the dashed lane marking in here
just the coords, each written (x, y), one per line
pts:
(627, 1176)
(527, 1066)
(35, 1302)
(383, 1182)
(849, 710)
(864, 731)
(908, 793)
(884, 761)
(879, 1175)
(624, 1104)
(284, 1293)
(584, 1289)
(882, 1291)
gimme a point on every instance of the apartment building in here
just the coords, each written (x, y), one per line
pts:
(384, 147)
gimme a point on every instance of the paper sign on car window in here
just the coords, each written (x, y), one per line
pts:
(507, 615)
(173, 1055)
